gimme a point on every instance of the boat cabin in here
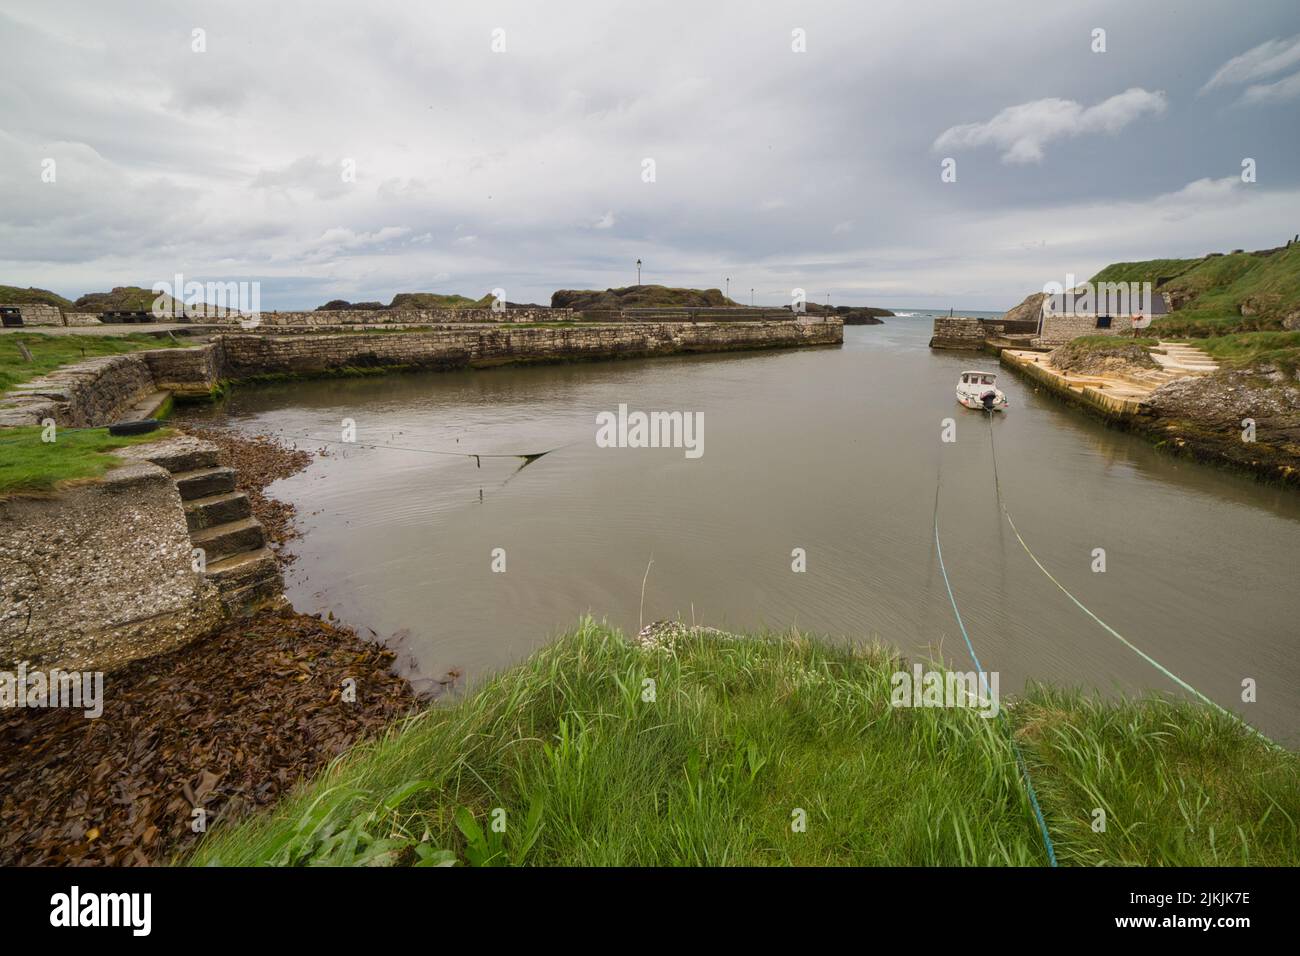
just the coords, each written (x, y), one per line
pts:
(979, 378)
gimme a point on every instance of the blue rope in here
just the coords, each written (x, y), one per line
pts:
(1020, 759)
(997, 485)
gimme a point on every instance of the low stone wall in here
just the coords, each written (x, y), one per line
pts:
(36, 313)
(100, 575)
(82, 318)
(89, 393)
(964, 332)
(187, 373)
(958, 333)
(1059, 329)
(259, 353)
(403, 317)
(99, 391)
(692, 314)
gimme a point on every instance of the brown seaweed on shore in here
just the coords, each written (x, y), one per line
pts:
(228, 724)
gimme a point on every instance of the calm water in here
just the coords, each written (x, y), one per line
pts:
(832, 450)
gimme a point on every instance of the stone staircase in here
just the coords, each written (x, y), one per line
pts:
(1175, 361)
(1120, 392)
(1180, 361)
(220, 521)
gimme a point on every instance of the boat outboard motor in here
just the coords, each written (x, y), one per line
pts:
(988, 398)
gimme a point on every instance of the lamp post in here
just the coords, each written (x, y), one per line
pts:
(728, 292)
(638, 272)
(751, 297)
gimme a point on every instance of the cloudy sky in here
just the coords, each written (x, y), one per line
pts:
(524, 167)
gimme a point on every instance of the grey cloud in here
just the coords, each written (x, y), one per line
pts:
(1270, 57)
(773, 167)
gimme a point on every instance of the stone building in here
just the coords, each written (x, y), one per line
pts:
(1109, 308)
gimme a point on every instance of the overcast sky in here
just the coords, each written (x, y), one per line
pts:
(523, 168)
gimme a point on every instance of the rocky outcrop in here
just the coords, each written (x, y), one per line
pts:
(639, 296)
(1027, 311)
(1113, 357)
(1266, 395)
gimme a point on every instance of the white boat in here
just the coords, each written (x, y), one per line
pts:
(980, 390)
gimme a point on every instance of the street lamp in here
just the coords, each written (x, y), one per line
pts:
(751, 297)
(728, 292)
(638, 272)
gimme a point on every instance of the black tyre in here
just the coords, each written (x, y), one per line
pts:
(143, 426)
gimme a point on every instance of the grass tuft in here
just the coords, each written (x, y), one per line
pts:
(53, 351)
(741, 735)
(30, 466)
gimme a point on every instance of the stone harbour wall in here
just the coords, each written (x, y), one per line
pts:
(958, 333)
(100, 575)
(259, 353)
(404, 317)
(186, 373)
(99, 391)
(90, 393)
(964, 332)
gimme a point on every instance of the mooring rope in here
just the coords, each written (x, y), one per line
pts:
(997, 485)
(1020, 758)
(528, 458)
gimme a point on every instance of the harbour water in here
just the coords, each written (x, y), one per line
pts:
(836, 451)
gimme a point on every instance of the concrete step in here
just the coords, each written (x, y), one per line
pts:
(202, 482)
(180, 454)
(248, 580)
(266, 592)
(243, 568)
(147, 407)
(216, 509)
(229, 538)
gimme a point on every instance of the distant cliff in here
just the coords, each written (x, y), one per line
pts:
(856, 314)
(410, 300)
(14, 295)
(125, 298)
(640, 297)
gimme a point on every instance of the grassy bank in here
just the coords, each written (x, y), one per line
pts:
(1219, 294)
(741, 733)
(1243, 350)
(53, 351)
(29, 465)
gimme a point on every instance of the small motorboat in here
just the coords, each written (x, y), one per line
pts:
(980, 390)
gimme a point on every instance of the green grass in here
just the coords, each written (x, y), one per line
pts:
(1247, 349)
(1151, 270)
(1210, 292)
(16, 295)
(52, 351)
(1110, 343)
(29, 465)
(741, 733)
